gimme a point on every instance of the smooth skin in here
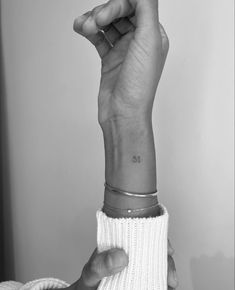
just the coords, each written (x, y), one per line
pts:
(133, 47)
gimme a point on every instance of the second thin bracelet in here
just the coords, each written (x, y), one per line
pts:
(131, 194)
(128, 210)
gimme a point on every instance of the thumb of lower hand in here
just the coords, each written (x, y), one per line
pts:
(104, 264)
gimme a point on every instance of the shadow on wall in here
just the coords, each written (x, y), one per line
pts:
(216, 272)
(6, 241)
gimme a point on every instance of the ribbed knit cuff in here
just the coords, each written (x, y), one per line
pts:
(145, 242)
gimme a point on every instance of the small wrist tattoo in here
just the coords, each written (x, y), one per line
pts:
(136, 159)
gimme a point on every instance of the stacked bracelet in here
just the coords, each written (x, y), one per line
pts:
(132, 194)
(115, 196)
(128, 210)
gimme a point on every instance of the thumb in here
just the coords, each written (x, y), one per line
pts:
(146, 12)
(103, 264)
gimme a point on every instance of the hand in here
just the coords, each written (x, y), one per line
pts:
(133, 47)
(111, 262)
(100, 265)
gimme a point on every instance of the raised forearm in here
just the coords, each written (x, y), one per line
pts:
(130, 162)
(130, 165)
(133, 48)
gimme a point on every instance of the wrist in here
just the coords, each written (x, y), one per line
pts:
(121, 125)
(125, 133)
(118, 203)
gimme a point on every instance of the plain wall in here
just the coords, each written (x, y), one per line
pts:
(56, 146)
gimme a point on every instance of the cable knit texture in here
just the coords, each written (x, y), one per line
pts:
(10, 285)
(40, 284)
(145, 242)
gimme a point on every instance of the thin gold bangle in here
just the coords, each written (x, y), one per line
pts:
(131, 194)
(128, 210)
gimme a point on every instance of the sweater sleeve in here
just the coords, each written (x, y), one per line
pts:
(145, 242)
(40, 284)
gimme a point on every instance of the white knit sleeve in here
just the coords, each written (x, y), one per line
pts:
(40, 284)
(10, 285)
(145, 242)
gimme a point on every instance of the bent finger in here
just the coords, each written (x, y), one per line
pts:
(112, 11)
(98, 39)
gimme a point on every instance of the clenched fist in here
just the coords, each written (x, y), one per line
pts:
(133, 47)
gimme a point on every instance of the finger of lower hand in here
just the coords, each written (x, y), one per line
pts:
(170, 248)
(172, 276)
